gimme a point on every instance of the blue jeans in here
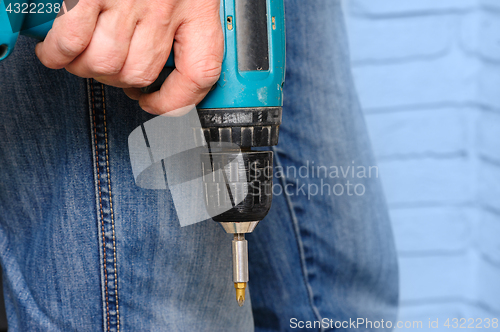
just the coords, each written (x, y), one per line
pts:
(85, 249)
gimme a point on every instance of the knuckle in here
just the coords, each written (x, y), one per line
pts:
(161, 14)
(87, 5)
(106, 65)
(73, 41)
(138, 78)
(205, 73)
(70, 45)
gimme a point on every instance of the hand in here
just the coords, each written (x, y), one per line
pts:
(126, 43)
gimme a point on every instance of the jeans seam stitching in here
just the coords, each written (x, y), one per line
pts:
(111, 208)
(299, 245)
(101, 212)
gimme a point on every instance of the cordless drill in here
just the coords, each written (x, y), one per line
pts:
(244, 108)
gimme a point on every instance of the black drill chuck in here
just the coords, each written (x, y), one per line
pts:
(251, 175)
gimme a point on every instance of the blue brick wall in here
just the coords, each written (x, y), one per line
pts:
(428, 78)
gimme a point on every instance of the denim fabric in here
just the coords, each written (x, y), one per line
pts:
(84, 249)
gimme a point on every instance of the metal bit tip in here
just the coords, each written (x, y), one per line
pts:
(240, 292)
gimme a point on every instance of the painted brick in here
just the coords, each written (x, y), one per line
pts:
(480, 34)
(489, 135)
(449, 79)
(489, 185)
(478, 312)
(448, 279)
(381, 7)
(427, 180)
(400, 38)
(487, 4)
(441, 311)
(488, 287)
(489, 85)
(433, 278)
(448, 248)
(487, 235)
(431, 230)
(418, 132)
